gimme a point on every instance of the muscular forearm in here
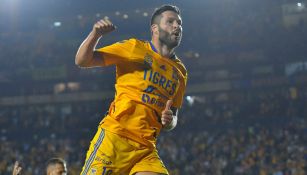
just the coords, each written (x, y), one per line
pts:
(85, 52)
(86, 56)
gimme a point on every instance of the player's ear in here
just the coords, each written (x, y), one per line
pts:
(154, 29)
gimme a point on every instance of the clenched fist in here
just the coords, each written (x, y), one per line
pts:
(103, 27)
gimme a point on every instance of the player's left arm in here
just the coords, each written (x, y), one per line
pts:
(169, 116)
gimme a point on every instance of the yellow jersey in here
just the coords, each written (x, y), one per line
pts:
(144, 82)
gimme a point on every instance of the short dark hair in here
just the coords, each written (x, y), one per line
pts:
(54, 161)
(156, 15)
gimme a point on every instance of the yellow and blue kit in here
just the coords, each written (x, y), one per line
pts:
(126, 137)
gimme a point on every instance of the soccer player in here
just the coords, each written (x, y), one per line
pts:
(150, 84)
(54, 166)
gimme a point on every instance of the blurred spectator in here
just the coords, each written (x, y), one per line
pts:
(54, 166)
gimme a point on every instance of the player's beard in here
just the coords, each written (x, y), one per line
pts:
(168, 39)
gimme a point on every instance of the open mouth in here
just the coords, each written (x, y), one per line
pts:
(176, 34)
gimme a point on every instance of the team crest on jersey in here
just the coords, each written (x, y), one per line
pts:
(175, 74)
(148, 59)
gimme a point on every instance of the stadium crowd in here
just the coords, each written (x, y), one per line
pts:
(259, 133)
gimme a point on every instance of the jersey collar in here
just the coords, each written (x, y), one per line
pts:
(173, 56)
(153, 47)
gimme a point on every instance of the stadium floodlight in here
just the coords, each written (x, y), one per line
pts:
(300, 6)
(190, 100)
(57, 24)
(125, 16)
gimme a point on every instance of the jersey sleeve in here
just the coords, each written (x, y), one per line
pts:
(117, 52)
(178, 99)
(183, 77)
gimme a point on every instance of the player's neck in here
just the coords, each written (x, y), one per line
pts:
(163, 49)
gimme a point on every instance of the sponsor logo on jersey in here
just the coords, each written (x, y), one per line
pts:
(163, 67)
(103, 160)
(150, 89)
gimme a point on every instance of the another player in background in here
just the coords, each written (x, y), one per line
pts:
(54, 166)
(150, 84)
(17, 168)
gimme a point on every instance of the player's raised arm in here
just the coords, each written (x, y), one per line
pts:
(86, 56)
